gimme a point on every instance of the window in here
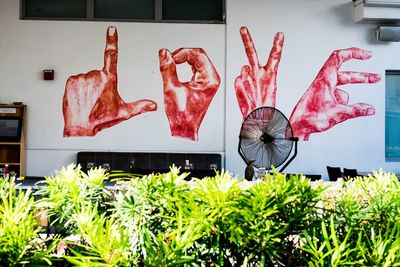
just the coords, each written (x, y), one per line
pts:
(123, 9)
(392, 115)
(192, 10)
(204, 11)
(55, 8)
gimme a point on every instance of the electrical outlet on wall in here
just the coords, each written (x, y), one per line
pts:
(212, 166)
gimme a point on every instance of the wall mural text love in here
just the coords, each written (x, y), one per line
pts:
(92, 103)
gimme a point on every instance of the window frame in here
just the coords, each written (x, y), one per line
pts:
(157, 16)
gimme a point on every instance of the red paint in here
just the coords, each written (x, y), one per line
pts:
(91, 101)
(324, 105)
(186, 103)
(256, 85)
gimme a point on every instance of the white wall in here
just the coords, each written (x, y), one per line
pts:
(68, 47)
(312, 29)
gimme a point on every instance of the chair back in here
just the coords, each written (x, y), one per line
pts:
(334, 173)
(349, 173)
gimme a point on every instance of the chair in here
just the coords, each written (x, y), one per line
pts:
(314, 177)
(349, 173)
(334, 173)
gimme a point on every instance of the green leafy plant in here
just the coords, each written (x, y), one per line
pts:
(326, 247)
(102, 242)
(363, 225)
(215, 209)
(69, 192)
(163, 219)
(149, 208)
(278, 209)
(381, 248)
(20, 243)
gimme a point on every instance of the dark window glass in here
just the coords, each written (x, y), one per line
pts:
(55, 8)
(192, 10)
(392, 115)
(124, 9)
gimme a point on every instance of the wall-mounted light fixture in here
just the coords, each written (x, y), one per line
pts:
(48, 75)
(388, 34)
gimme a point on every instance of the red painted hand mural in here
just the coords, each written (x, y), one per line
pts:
(256, 85)
(91, 101)
(186, 103)
(324, 105)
